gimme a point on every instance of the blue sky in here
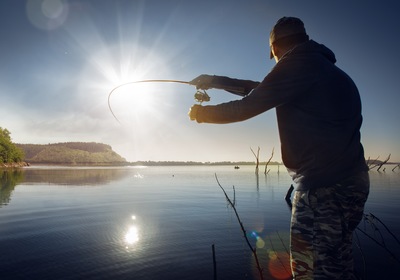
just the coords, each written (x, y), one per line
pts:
(60, 59)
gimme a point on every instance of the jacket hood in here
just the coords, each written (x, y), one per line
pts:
(313, 47)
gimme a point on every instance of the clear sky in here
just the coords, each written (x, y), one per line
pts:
(60, 59)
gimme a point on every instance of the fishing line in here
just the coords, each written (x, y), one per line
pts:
(199, 96)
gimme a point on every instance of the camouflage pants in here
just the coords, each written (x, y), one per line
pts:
(323, 221)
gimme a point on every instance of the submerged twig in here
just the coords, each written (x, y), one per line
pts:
(269, 160)
(380, 244)
(358, 245)
(214, 262)
(387, 229)
(276, 254)
(283, 243)
(384, 162)
(253, 250)
(375, 163)
(234, 195)
(370, 218)
(257, 158)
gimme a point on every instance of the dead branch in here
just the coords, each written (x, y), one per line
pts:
(257, 158)
(266, 165)
(383, 162)
(375, 163)
(379, 244)
(283, 244)
(386, 227)
(372, 163)
(277, 256)
(253, 250)
(214, 262)
(371, 219)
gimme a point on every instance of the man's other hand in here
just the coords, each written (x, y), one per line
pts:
(203, 81)
(193, 112)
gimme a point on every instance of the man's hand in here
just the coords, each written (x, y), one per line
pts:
(193, 112)
(203, 81)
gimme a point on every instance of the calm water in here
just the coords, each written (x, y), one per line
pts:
(161, 223)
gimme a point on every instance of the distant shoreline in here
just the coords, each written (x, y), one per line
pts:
(137, 163)
(145, 163)
(197, 163)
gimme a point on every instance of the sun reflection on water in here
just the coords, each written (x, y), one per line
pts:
(132, 235)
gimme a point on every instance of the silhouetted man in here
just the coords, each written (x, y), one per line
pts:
(318, 110)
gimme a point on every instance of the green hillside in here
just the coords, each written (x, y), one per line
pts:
(10, 154)
(74, 153)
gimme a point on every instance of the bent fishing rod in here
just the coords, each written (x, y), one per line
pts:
(200, 95)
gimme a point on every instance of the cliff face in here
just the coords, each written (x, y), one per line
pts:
(71, 153)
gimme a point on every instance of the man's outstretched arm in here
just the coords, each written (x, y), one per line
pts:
(235, 86)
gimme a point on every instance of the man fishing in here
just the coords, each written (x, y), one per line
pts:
(319, 117)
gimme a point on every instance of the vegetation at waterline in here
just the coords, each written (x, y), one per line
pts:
(74, 153)
(8, 180)
(9, 152)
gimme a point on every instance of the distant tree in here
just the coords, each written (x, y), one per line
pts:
(9, 152)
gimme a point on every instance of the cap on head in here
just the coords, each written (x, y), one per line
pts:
(285, 27)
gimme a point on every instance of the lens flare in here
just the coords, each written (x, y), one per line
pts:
(47, 14)
(279, 265)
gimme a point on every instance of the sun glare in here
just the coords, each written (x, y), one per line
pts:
(134, 99)
(113, 61)
(123, 74)
(132, 236)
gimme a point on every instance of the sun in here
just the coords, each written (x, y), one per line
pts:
(133, 99)
(121, 75)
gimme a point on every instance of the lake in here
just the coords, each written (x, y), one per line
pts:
(161, 223)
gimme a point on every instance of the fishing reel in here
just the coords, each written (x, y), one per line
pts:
(201, 96)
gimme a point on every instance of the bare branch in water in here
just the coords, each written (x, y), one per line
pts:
(370, 219)
(384, 162)
(372, 163)
(277, 256)
(253, 250)
(214, 262)
(257, 157)
(266, 165)
(283, 243)
(388, 230)
(375, 163)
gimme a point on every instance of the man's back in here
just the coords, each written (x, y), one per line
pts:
(320, 127)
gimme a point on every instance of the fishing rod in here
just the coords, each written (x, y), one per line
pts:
(200, 95)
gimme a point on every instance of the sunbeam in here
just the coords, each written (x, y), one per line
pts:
(112, 60)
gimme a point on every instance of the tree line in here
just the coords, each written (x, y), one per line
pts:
(9, 152)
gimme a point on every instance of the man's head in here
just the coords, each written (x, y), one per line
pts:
(287, 33)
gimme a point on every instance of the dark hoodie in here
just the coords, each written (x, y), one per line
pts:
(318, 109)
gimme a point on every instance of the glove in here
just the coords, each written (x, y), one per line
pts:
(193, 112)
(203, 81)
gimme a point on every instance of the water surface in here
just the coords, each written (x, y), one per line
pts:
(161, 222)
